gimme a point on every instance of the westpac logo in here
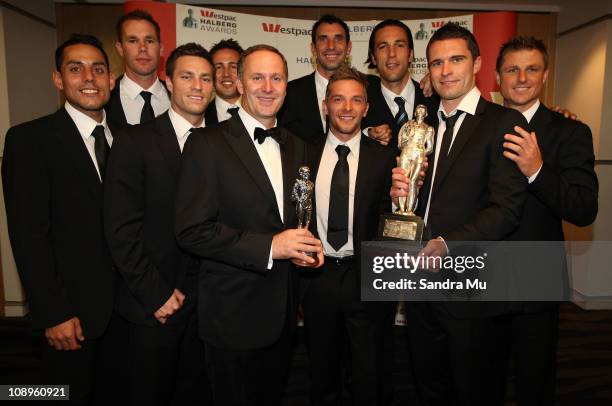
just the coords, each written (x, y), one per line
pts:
(207, 13)
(437, 24)
(270, 27)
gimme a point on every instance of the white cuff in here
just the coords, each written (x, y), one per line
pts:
(535, 175)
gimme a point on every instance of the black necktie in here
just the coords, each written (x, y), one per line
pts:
(233, 111)
(337, 218)
(401, 117)
(260, 135)
(147, 113)
(448, 135)
(101, 148)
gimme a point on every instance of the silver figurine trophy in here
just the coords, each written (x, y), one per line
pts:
(301, 195)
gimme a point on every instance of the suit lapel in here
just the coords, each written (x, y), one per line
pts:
(116, 115)
(211, 113)
(68, 134)
(287, 151)
(467, 129)
(240, 141)
(366, 155)
(167, 142)
(314, 101)
(540, 120)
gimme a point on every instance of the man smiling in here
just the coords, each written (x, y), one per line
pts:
(225, 56)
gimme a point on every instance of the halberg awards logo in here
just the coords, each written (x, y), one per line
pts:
(211, 21)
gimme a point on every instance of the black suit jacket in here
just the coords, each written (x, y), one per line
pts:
(478, 194)
(565, 189)
(379, 112)
(210, 115)
(140, 187)
(115, 116)
(226, 214)
(301, 111)
(54, 209)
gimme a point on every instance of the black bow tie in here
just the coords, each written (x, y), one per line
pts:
(274, 132)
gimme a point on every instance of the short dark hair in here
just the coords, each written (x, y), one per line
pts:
(229, 43)
(260, 47)
(519, 44)
(76, 39)
(386, 23)
(345, 72)
(135, 16)
(330, 19)
(455, 31)
(189, 49)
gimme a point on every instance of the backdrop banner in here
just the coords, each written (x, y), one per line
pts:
(183, 23)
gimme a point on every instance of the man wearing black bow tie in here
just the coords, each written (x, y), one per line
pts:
(234, 210)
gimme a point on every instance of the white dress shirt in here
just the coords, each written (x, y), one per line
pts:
(468, 106)
(329, 158)
(408, 94)
(222, 106)
(86, 125)
(321, 86)
(132, 102)
(182, 127)
(270, 155)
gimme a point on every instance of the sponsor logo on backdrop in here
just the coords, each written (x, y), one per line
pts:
(277, 28)
(360, 28)
(437, 24)
(304, 60)
(419, 66)
(211, 21)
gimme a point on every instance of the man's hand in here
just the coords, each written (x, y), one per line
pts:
(399, 182)
(566, 113)
(292, 243)
(435, 248)
(381, 133)
(172, 305)
(425, 85)
(525, 151)
(66, 336)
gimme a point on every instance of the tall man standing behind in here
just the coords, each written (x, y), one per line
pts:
(471, 193)
(351, 191)
(52, 174)
(139, 96)
(234, 210)
(557, 158)
(394, 95)
(225, 56)
(157, 289)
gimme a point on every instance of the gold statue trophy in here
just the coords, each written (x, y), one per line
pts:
(415, 141)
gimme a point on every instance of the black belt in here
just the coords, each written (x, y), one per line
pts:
(339, 260)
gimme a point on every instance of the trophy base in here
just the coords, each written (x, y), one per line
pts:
(398, 227)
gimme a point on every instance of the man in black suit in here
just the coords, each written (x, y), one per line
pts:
(394, 95)
(302, 112)
(225, 56)
(233, 210)
(157, 289)
(52, 175)
(139, 95)
(351, 190)
(558, 161)
(471, 193)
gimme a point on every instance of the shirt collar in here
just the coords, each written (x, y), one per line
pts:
(530, 112)
(133, 89)
(320, 81)
(407, 93)
(468, 104)
(83, 122)
(354, 143)
(180, 124)
(223, 105)
(250, 123)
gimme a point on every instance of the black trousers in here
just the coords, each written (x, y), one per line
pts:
(165, 364)
(529, 339)
(452, 364)
(253, 377)
(335, 319)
